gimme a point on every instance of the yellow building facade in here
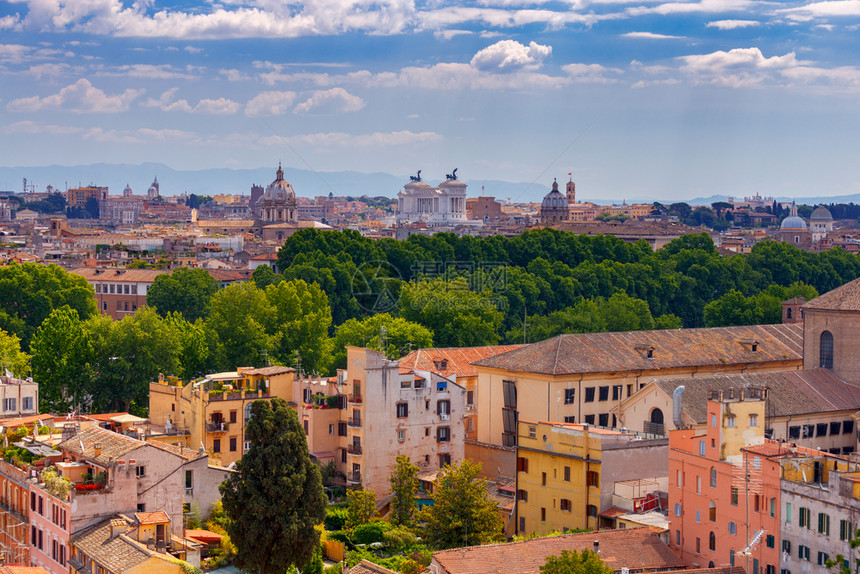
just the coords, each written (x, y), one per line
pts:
(213, 410)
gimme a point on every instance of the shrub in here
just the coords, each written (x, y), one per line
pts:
(333, 569)
(370, 532)
(335, 518)
(398, 538)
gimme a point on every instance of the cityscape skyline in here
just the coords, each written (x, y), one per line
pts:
(636, 98)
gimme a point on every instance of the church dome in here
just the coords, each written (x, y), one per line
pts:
(821, 213)
(793, 222)
(127, 191)
(554, 199)
(279, 190)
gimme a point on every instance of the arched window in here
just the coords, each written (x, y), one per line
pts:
(826, 350)
(712, 541)
(713, 477)
(657, 416)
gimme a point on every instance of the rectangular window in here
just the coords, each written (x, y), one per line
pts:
(734, 496)
(592, 478)
(698, 546)
(786, 546)
(821, 429)
(569, 396)
(836, 428)
(822, 558)
(216, 445)
(603, 420)
(570, 419)
(509, 390)
(701, 448)
(678, 509)
(402, 410)
(730, 421)
(845, 530)
(341, 429)
(27, 403)
(803, 552)
(770, 541)
(401, 436)
(804, 517)
(772, 511)
(823, 524)
(522, 464)
(522, 495)
(788, 512)
(567, 474)
(443, 434)
(543, 479)
(565, 505)
(589, 394)
(232, 444)
(616, 392)
(589, 419)
(847, 426)
(677, 538)
(753, 420)
(604, 394)
(470, 397)
(232, 417)
(189, 479)
(698, 485)
(698, 516)
(794, 432)
(733, 528)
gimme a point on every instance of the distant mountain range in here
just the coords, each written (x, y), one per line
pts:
(307, 183)
(238, 181)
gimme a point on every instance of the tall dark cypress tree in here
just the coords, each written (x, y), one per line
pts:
(276, 498)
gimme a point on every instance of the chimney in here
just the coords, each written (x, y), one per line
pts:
(97, 449)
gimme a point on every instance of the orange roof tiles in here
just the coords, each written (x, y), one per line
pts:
(634, 548)
(157, 517)
(844, 298)
(454, 360)
(628, 350)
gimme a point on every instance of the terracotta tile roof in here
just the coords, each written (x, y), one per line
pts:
(790, 393)
(627, 350)
(230, 274)
(203, 536)
(116, 553)
(368, 567)
(724, 570)
(12, 569)
(269, 371)
(844, 298)
(182, 451)
(634, 548)
(446, 361)
(119, 275)
(157, 517)
(113, 445)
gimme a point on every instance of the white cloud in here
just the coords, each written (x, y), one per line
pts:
(737, 59)
(327, 102)
(331, 140)
(270, 103)
(592, 73)
(448, 34)
(152, 72)
(704, 6)
(651, 36)
(193, 50)
(822, 9)
(221, 107)
(10, 22)
(827, 27)
(232, 75)
(732, 24)
(509, 55)
(31, 127)
(80, 97)
(40, 71)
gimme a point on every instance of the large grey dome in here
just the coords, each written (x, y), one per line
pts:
(821, 213)
(279, 190)
(793, 222)
(554, 199)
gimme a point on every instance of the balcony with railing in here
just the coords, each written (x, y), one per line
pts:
(354, 399)
(353, 477)
(354, 449)
(217, 426)
(353, 422)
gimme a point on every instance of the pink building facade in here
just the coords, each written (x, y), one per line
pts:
(49, 530)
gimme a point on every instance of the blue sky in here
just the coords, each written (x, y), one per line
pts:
(668, 99)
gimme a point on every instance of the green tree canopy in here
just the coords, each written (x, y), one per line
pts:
(457, 316)
(62, 357)
(300, 321)
(185, 291)
(361, 507)
(236, 326)
(30, 292)
(404, 485)
(275, 500)
(462, 513)
(574, 562)
(400, 336)
(11, 357)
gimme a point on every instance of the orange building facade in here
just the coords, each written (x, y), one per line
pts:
(724, 506)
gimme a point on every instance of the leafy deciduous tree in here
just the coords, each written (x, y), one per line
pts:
(462, 513)
(62, 356)
(361, 507)
(404, 485)
(573, 562)
(185, 291)
(400, 336)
